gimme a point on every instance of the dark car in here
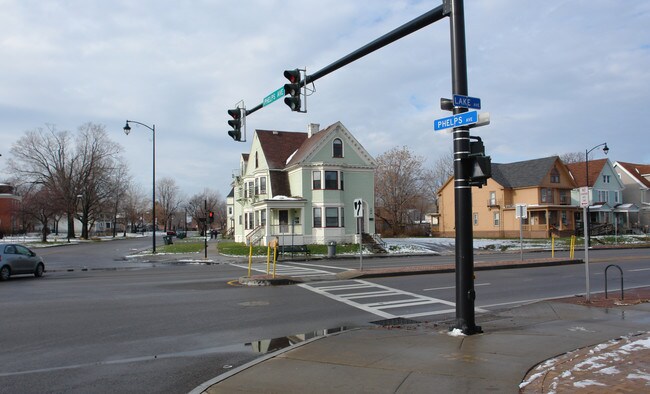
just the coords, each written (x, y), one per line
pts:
(19, 260)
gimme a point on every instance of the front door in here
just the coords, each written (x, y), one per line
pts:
(284, 221)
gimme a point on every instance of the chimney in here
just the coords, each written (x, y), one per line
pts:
(312, 129)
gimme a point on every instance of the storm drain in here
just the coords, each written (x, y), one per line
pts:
(396, 321)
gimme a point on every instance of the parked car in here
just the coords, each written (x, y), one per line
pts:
(19, 260)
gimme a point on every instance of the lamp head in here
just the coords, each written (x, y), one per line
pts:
(605, 149)
(127, 128)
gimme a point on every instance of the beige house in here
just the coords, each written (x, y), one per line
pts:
(543, 185)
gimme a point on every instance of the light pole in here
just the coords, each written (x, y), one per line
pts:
(127, 130)
(586, 221)
(585, 213)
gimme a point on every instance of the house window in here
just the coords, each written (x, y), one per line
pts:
(341, 176)
(555, 176)
(493, 198)
(257, 163)
(251, 185)
(564, 197)
(240, 220)
(616, 200)
(316, 180)
(250, 221)
(605, 178)
(497, 218)
(475, 215)
(229, 210)
(263, 217)
(318, 222)
(342, 218)
(331, 217)
(547, 195)
(263, 185)
(337, 148)
(257, 186)
(564, 219)
(331, 180)
(603, 196)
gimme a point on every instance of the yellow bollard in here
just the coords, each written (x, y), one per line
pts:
(552, 246)
(275, 257)
(250, 260)
(573, 246)
(268, 258)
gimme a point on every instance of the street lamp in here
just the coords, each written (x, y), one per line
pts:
(127, 130)
(585, 212)
(586, 220)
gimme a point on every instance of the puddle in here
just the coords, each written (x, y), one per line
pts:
(264, 346)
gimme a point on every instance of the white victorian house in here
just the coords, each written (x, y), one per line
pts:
(299, 188)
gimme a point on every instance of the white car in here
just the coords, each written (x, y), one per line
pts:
(19, 260)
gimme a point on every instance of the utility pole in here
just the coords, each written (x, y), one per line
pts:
(465, 293)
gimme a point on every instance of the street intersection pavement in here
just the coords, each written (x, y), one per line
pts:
(548, 346)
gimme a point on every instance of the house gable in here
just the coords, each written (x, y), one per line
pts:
(318, 150)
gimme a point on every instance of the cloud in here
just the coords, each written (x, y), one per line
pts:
(556, 76)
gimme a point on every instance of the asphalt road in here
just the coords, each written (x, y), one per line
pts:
(168, 328)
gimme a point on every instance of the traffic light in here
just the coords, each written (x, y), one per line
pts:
(480, 165)
(235, 123)
(292, 89)
(211, 216)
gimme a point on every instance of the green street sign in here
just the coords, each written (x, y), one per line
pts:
(273, 96)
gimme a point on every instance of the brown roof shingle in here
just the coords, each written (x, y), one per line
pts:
(279, 145)
(579, 171)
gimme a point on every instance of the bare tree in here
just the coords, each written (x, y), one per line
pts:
(39, 205)
(398, 186)
(73, 171)
(436, 176)
(169, 200)
(98, 165)
(572, 157)
(200, 204)
(134, 202)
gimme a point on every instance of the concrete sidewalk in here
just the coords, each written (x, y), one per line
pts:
(425, 358)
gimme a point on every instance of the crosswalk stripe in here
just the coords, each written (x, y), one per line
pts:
(341, 292)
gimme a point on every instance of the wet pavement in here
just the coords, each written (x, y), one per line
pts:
(424, 357)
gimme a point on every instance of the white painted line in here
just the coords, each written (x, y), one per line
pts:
(640, 269)
(400, 304)
(344, 287)
(407, 299)
(370, 294)
(324, 266)
(348, 302)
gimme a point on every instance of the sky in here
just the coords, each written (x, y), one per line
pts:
(555, 76)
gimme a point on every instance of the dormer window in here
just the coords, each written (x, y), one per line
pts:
(337, 148)
(555, 176)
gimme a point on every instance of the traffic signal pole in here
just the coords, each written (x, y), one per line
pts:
(454, 9)
(465, 293)
(414, 25)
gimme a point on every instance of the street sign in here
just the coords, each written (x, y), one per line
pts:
(273, 96)
(584, 197)
(358, 208)
(466, 118)
(467, 102)
(521, 211)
